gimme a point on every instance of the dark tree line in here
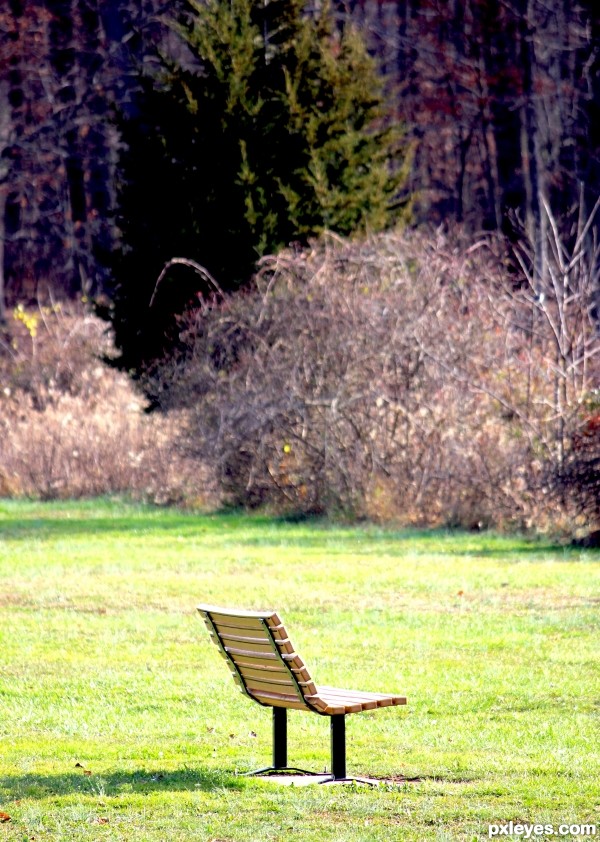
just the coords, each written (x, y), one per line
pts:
(65, 67)
(501, 97)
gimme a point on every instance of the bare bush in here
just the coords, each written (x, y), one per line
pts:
(400, 376)
(342, 383)
(70, 426)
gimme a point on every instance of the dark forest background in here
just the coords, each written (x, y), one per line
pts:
(500, 98)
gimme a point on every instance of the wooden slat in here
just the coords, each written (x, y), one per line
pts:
(236, 622)
(251, 659)
(260, 629)
(256, 643)
(353, 695)
(272, 673)
(245, 638)
(265, 682)
(323, 707)
(280, 699)
(383, 699)
(354, 704)
(204, 608)
(273, 669)
(236, 653)
(276, 703)
(278, 632)
(277, 629)
(254, 686)
(265, 662)
(302, 675)
(367, 694)
(326, 703)
(249, 627)
(262, 647)
(283, 678)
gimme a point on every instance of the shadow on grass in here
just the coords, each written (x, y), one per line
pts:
(257, 530)
(139, 782)
(142, 782)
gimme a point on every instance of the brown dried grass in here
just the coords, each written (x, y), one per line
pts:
(72, 426)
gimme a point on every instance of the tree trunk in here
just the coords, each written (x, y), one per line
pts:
(2, 239)
(5, 138)
(530, 147)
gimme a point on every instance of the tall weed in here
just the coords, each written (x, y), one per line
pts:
(71, 426)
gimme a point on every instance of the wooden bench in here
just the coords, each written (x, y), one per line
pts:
(267, 668)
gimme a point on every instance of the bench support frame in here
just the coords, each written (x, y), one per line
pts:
(279, 738)
(338, 746)
(337, 729)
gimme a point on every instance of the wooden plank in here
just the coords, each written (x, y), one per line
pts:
(241, 626)
(261, 647)
(333, 710)
(257, 634)
(278, 632)
(247, 654)
(303, 675)
(294, 661)
(383, 699)
(253, 636)
(279, 699)
(252, 642)
(245, 638)
(272, 673)
(277, 629)
(276, 676)
(268, 661)
(205, 608)
(356, 695)
(255, 645)
(255, 686)
(276, 703)
(326, 703)
(237, 621)
(258, 630)
(265, 682)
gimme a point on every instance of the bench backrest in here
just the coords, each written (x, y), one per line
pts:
(260, 656)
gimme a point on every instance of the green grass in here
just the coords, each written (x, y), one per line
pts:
(106, 669)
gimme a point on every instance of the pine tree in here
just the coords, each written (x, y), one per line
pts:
(270, 130)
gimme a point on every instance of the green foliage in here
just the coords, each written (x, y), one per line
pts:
(272, 130)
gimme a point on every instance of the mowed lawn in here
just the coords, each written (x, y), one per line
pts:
(119, 720)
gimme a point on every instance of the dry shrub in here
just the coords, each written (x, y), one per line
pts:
(397, 377)
(344, 383)
(70, 426)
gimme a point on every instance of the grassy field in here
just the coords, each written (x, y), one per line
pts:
(119, 720)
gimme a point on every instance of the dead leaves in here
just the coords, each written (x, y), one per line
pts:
(86, 772)
(4, 817)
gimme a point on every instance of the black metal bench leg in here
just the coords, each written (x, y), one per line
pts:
(279, 738)
(338, 746)
(280, 765)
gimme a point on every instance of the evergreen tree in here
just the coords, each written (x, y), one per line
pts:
(270, 129)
